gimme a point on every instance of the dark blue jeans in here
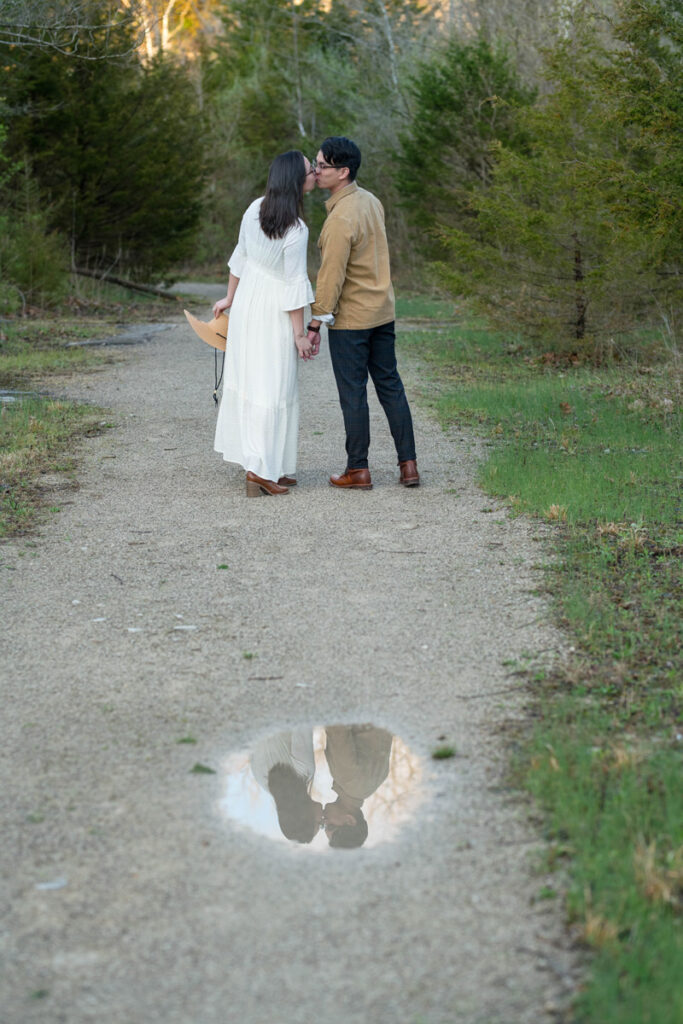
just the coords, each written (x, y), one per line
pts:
(354, 355)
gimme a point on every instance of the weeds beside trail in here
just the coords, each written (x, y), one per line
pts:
(37, 435)
(597, 453)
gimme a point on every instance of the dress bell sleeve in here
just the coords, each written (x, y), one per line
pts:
(297, 291)
(239, 253)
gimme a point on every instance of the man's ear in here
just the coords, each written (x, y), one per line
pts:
(344, 169)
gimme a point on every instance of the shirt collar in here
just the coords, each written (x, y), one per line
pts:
(346, 191)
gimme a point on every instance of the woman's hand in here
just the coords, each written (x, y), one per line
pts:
(221, 306)
(303, 345)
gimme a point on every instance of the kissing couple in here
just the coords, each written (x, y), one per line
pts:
(358, 758)
(268, 290)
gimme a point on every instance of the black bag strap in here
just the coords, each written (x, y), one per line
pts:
(217, 380)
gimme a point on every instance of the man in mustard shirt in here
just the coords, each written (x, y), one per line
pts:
(355, 299)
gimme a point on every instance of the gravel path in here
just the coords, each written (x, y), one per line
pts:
(126, 898)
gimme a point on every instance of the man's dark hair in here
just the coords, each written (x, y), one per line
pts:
(342, 152)
(349, 837)
(282, 203)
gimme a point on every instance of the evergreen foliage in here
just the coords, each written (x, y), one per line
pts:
(116, 149)
(462, 101)
(644, 84)
(555, 246)
(33, 259)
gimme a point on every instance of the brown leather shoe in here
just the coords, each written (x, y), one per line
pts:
(256, 486)
(409, 474)
(287, 481)
(358, 478)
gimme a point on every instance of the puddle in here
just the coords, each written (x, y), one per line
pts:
(134, 334)
(324, 787)
(10, 395)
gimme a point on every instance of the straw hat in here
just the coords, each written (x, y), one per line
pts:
(214, 334)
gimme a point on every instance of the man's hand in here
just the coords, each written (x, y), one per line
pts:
(314, 338)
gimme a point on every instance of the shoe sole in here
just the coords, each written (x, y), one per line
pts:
(352, 487)
(255, 490)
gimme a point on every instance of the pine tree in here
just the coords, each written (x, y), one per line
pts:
(462, 101)
(116, 149)
(644, 81)
(551, 249)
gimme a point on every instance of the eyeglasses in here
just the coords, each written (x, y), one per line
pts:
(323, 167)
(311, 170)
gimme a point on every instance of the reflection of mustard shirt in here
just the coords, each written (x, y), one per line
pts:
(358, 756)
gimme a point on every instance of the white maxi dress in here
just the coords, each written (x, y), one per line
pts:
(258, 419)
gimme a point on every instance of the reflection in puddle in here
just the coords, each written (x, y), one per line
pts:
(340, 786)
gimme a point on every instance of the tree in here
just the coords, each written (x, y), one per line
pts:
(463, 100)
(551, 248)
(116, 149)
(33, 259)
(644, 81)
(285, 76)
(64, 26)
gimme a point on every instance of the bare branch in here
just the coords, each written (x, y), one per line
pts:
(67, 27)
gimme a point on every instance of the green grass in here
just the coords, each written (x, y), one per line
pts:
(615, 808)
(581, 448)
(420, 307)
(36, 436)
(39, 434)
(596, 453)
(443, 753)
(34, 349)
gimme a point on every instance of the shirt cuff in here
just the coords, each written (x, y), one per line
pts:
(324, 318)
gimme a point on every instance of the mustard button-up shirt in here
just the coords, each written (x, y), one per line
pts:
(354, 281)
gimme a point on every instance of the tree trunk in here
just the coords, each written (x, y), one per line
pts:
(109, 278)
(579, 292)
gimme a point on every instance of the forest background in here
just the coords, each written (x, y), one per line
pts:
(529, 156)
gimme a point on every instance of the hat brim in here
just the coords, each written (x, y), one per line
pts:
(214, 333)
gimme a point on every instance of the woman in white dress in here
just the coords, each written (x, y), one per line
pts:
(284, 765)
(268, 289)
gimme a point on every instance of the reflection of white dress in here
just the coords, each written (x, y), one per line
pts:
(294, 749)
(258, 419)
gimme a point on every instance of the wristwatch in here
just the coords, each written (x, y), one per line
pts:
(312, 328)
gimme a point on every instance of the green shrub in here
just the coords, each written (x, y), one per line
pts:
(33, 262)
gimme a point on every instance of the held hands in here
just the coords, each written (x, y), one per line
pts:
(221, 306)
(303, 345)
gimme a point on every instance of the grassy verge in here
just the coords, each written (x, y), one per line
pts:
(34, 349)
(37, 436)
(422, 307)
(596, 453)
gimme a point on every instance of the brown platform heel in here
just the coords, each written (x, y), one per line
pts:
(287, 481)
(257, 486)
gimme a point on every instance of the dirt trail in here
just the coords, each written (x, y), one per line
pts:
(127, 899)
